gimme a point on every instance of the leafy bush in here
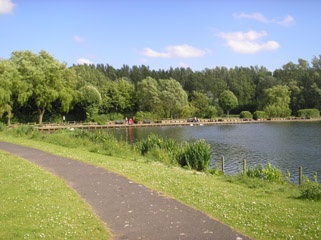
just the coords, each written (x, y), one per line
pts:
(141, 116)
(308, 113)
(196, 156)
(3, 127)
(246, 114)
(100, 118)
(274, 110)
(311, 189)
(270, 173)
(25, 130)
(259, 115)
(115, 116)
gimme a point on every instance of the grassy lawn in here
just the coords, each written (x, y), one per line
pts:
(35, 204)
(256, 208)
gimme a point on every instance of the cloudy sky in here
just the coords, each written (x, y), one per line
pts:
(164, 33)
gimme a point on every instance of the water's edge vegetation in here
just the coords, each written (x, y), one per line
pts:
(260, 201)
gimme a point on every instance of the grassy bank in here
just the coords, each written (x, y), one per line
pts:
(35, 204)
(258, 208)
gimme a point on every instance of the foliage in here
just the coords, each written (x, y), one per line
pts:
(35, 84)
(246, 114)
(24, 130)
(45, 80)
(100, 118)
(196, 156)
(149, 99)
(3, 127)
(259, 115)
(201, 105)
(228, 101)
(173, 97)
(141, 116)
(308, 113)
(269, 173)
(311, 189)
(277, 101)
(90, 100)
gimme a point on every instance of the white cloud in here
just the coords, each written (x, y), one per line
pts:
(256, 16)
(289, 20)
(247, 42)
(79, 39)
(6, 6)
(82, 61)
(286, 21)
(178, 51)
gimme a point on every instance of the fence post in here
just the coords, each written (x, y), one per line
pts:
(244, 166)
(300, 175)
(223, 164)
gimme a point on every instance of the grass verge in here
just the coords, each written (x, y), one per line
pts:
(254, 207)
(35, 204)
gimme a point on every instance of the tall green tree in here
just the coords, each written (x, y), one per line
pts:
(148, 95)
(9, 83)
(277, 101)
(173, 97)
(44, 76)
(228, 101)
(90, 100)
(201, 105)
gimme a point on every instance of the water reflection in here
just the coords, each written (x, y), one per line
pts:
(285, 145)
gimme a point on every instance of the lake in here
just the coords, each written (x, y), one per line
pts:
(286, 145)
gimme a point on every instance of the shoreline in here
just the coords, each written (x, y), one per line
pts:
(174, 123)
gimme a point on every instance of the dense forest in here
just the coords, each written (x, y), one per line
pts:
(39, 88)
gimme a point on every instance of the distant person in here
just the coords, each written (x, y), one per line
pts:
(131, 121)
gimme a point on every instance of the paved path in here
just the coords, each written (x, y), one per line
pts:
(130, 210)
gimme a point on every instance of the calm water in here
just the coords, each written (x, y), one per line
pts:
(285, 145)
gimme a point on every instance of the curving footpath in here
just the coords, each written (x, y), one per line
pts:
(130, 210)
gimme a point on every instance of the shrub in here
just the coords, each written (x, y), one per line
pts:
(259, 115)
(311, 189)
(115, 116)
(25, 130)
(3, 127)
(246, 114)
(141, 116)
(196, 156)
(308, 113)
(100, 118)
(270, 173)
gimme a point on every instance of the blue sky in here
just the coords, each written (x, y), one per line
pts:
(164, 33)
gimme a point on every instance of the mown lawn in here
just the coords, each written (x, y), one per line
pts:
(37, 205)
(256, 208)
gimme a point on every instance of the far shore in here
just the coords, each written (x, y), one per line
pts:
(72, 125)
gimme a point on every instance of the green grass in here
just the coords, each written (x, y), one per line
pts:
(254, 207)
(35, 204)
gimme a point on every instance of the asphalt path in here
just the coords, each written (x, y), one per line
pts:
(129, 210)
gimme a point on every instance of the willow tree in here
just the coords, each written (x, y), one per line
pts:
(148, 95)
(173, 97)
(277, 101)
(13, 91)
(46, 79)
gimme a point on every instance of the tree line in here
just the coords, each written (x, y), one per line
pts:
(36, 87)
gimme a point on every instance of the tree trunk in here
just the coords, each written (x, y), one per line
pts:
(9, 118)
(41, 113)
